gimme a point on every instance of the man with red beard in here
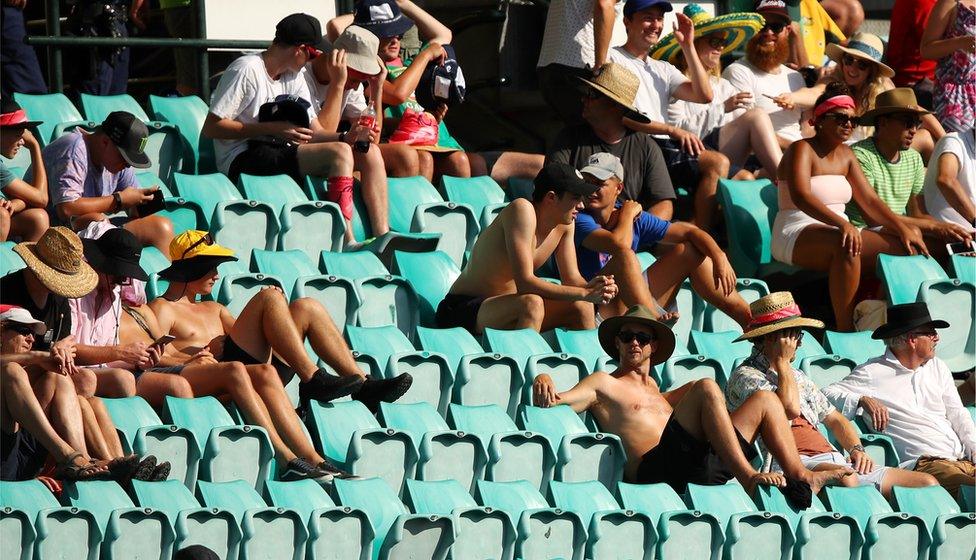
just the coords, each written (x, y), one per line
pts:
(763, 74)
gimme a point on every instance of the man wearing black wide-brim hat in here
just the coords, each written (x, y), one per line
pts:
(910, 396)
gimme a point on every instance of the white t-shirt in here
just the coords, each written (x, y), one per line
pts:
(568, 37)
(243, 88)
(658, 79)
(353, 100)
(746, 77)
(963, 148)
(703, 118)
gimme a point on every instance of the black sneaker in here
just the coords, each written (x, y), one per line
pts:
(300, 469)
(335, 471)
(374, 391)
(324, 387)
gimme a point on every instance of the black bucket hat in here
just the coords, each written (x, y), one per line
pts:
(116, 253)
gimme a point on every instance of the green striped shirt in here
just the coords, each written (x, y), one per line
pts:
(895, 183)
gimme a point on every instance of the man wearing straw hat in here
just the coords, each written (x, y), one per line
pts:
(909, 394)
(686, 435)
(775, 332)
(607, 99)
(895, 170)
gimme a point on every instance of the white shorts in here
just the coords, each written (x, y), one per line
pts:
(874, 477)
(786, 230)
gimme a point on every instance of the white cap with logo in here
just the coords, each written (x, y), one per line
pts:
(603, 166)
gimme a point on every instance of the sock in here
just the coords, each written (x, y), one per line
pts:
(340, 192)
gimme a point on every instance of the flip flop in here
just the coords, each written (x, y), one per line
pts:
(69, 471)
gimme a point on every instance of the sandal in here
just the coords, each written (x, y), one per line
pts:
(70, 471)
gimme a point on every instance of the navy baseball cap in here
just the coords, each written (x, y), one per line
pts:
(560, 178)
(634, 6)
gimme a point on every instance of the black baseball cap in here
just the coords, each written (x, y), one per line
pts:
(301, 29)
(559, 178)
(117, 253)
(129, 134)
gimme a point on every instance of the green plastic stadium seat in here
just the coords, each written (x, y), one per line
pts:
(399, 534)
(580, 455)
(543, 532)
(879, 447)
(827, 369)
(98, 107)
(300, 278)
(57, 532)
(149, 179)
(681, 533)
(967, 498)
(489, 214)
(416, 206)
(455, 343)
(512, 454)
(856, 346)
(9, 260)
(351, 437)
(720, 347)
(819, 533)
(678, 370)
(214, 528)
(750, 289)
(229, 451)
(444, 454)
(334, 532)
(749, 533)
(127, 531)
(534, 354)
(902, 276)
(188, 114)
(964, 268)
(54, 109)
(585, 344)
(267, 532)
(431, 275)
(237, 288)
(152, 261)
(185, 214)
(386, 299)
(432, 376)
(476, 192)
(480, 532)
(749, 208)
(206, 190)
(951, 531)
(15, 170)
(311, 227)
(887, 534)
(612, 532)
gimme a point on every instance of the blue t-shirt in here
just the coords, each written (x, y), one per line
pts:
(648, 230)
(6, 175)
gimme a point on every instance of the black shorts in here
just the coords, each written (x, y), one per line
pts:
(683, 168)
(21, 456)
(234, 353)
(266, 158)
(457, 310)
(680, 458)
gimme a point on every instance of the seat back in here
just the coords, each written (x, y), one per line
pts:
(129, 414)
(520, 344)
(354, 266)
(439, 497)
(168, 496)
(856, 346)
(100, 497)
(378, 342)
(235, 496)
(511, 497)
(584, 498)
(206, 190)
(902, 276)
(454, 343)
(148, 179)
(483, 421)
(721, 501)
(405, 194)
(336, 422)
(303, 496)
(927, 502)
(650, 499)
(583, 343)
(750, 289)
(9, 260)
(188, 114)
(964, 268)
(721, 347)
(276, 190)
(749, 208)
(679, 370)
(827, 369)
(476, 192)
(287, 266)
(770, 498)
(415, 419)
(53, 109)
(554, 423)
(860, 502)
(377, 499)
(98, 107)
(199, 415)
(431, 275)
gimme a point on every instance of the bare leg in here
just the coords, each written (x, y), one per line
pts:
(712, 167)
(703, 282)
(511, 311)
(665, 276)
(154, 387)
(848, 14)
(29, 224)
(425, 162)
(633, 290)
(115, 383)
(513, 164)
(65, 412)
(819, 248)
(267, 318)
(910, 479)
(315, 324)
(94, 438)
(455, 164)
(400, 160)
(5, 219)
(752, 132)
(268, 385)
(152, 230)
(232, 378)
(328, 159)
(107, 427)
(371, 167)
(574, 315)
(18, 406)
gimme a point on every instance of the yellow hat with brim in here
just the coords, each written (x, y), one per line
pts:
(864, 46)
(740, 26)
(57, 259)
(641, 315)
(775, 312)
(193, 254)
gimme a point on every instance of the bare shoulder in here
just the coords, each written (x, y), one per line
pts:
(520, 208)
(597, 379)
(159, 305)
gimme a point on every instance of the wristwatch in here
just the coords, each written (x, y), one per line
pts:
(857, 447)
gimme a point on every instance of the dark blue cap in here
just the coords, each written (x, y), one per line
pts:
(634, 6)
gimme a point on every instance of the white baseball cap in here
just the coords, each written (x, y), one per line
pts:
(603, 165)
(14, 314)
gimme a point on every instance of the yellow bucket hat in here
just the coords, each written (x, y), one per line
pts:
(194, 253)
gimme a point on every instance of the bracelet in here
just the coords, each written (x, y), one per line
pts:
(342, 136)
(117, 199)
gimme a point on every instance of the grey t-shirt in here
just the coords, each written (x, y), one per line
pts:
(6, 175)
(646, 178)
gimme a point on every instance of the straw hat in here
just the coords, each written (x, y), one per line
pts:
(621, 86)
(57, 259)
(897, 100)
(864, 46)
(775, 312)
(639, 314)
(740, 27)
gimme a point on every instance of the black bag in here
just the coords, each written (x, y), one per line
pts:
(287, 108)
(441, 83)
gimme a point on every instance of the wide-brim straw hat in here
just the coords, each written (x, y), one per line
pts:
(864, 46)
(740, 26)
(775, 312)
(57, 259)
(621, 86)
(639, 314)
(897, 100)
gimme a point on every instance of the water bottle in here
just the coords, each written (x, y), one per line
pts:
(367, 120)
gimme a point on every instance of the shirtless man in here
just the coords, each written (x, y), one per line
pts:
(682, 436)
(268, 325)
(499, 289)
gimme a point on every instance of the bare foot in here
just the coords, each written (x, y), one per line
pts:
(764, 479)
(819, 479)
(669, 318)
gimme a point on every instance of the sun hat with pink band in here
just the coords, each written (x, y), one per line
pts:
(19, 315)
(775, 312)
(13, 116)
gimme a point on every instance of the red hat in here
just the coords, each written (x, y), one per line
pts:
(13, 116)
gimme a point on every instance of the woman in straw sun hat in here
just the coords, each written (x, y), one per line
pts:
(776, 332)
(727, 124)
(859, 66)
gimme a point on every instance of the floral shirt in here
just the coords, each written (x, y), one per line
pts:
(755, 374)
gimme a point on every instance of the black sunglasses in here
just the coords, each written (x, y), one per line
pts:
(206, 239)
(910, 121)
(842, 120)
(861, 64)
(776, 27)
(23, 330)
(628, 336)
(717, 41)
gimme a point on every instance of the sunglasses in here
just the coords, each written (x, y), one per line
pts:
(843, 120)
(716, 41)
(205, 240)
(775, 27)
(628, 336)
(23, 330)
(910, 121)
(860, 63)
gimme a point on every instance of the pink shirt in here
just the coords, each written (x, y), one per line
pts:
(95, 318)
